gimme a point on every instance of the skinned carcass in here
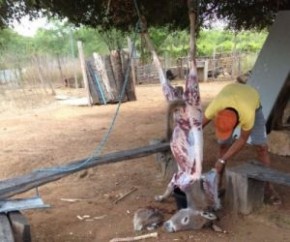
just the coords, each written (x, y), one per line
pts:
(185, 134)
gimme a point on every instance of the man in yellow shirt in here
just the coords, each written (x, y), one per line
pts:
(238, 105)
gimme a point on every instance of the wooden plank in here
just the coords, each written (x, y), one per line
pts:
(263, 173)
(100, 68)
(20, 227)
(245, 186)
(21, 204)
(24, 183)
(6, 234)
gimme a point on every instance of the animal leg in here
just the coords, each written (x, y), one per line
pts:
(165, 195)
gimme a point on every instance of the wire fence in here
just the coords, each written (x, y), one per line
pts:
(33, 81)
(219, 67)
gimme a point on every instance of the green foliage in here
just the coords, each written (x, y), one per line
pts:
(5, 37)
(121, 14)
(176, 44)
(92, 40)
(213, 41)
(13, 47)
(59, 40)
(62, 37)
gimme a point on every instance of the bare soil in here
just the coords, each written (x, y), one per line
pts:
(56, 134)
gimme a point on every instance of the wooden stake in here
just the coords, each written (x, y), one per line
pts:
(144, 236)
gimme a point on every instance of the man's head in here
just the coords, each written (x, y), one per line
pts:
(225, 122)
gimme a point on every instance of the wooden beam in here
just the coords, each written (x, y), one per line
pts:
(13, 186)
(262, 173)
(245, 186)
(6, 233)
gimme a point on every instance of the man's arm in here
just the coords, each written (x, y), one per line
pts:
(234, 149)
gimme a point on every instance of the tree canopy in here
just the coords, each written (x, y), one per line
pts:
(122, 14)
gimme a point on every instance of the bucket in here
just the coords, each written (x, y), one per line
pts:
(180, 198)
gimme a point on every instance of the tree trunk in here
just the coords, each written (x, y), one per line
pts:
(192, 8)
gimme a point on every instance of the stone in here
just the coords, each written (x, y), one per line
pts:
(279, 142)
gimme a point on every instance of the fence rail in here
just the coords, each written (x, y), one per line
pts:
(31, 81)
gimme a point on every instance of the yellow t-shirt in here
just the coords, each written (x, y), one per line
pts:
(241, 97)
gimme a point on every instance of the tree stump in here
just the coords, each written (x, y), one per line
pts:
(6, 233)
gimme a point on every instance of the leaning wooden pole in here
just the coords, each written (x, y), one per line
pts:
(156, 60)
(13, 186)
(84, 72)
(151, 48)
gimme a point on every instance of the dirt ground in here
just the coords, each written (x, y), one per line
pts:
(56, 134)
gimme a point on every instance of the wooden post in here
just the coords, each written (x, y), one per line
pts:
(205, 71)
(243, 194)
(234, 56)
(6, 233)
(132, 54)
(84, 73)
(60, 69)
(20, 227)
(131, 85)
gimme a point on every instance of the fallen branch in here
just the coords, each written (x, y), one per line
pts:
(125, 195)
(144, 236)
